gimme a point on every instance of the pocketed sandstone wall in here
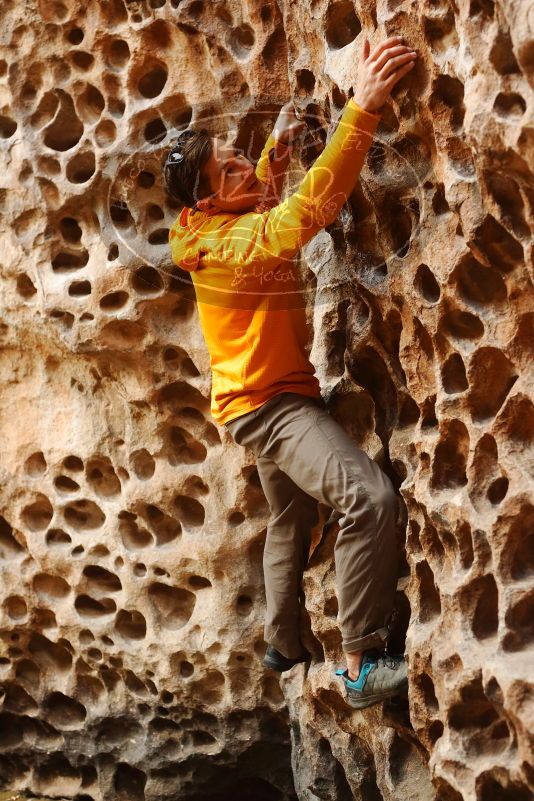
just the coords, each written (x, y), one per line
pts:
(132, 526)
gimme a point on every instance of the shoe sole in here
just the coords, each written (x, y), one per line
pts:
(370, 700)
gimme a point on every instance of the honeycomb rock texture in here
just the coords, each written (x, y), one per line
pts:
(132, 526)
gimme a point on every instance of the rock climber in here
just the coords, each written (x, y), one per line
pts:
(239, 240)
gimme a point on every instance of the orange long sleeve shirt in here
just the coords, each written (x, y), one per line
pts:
(250, 298)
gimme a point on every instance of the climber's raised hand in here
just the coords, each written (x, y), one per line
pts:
(379, 70)
(288, 126)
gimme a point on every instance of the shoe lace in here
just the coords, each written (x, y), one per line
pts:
(391, 661)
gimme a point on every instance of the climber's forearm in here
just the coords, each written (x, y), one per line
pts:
(262, 167)
(279, 234)
(274, 159)
(332, 177)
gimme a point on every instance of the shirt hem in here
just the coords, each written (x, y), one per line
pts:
(298, 390)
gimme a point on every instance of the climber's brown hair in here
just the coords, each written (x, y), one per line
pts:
(182, 168)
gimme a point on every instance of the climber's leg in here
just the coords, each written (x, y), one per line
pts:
(294, 513)
(315, 452)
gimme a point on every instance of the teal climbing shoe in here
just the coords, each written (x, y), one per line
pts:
(381, 676)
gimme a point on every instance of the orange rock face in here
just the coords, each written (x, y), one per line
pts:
(132, 526)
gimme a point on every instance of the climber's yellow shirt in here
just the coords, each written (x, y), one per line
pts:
(251, 302)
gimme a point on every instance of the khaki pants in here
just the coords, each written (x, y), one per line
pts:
(304, 456)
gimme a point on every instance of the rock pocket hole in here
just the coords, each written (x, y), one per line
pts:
(65, 131)
(49, 166)
(25, 286)
(172, 606)
(114, 301)
(70, 229)
(497, 245)
(463, 325)
(520, 621)
(479, 601)
(242, 41)
(145, 179)
(509, 106)
(186, 669)
(429, 599)
(101, 580)
(16, 607)
(165, 527)
(342, 24)
(57, 538)
(63, 713)
(155, 212)
(132, 536)
(477, 284)
(84, 514)
(147, 281)
(426, 284)
(497, 490)
(244, 605)
(118, 54)
(143, 464)
(199, 582)
(448, 92)
(155, 131)
(113, 252)
(66, 261)
(502, 54)
(91, 607)
(79, 289)
(449, 465)
(90, 104)
(66, 484)
(102, 478)
(50, 587)
(152, 82)
(73, 463)
(506, 194)
(130, 624)
(35, 465)
(120, 214)
(491, 377)
(105, 133)
(116, 107)
(182, 448)
(190, 511)
(84, 61)
(306, 81)
(81, 168)
(37, 515)
(75, 36)
(339, 98)
(7, 127)
(453, 375)
(159, 237)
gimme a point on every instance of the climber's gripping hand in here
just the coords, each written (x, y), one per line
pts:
(380, 70)
(287, 126)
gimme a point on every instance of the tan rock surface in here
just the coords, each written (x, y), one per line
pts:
(132, 526)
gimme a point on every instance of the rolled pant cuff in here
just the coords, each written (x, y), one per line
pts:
(377, 639)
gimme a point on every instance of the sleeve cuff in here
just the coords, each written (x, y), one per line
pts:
(373, 115)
